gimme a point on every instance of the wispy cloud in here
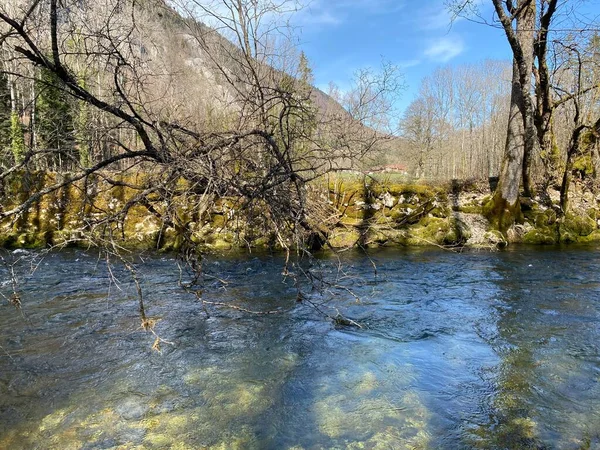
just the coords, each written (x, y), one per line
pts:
(409, 63)
(436, 19)
(336, 12)
(445, 49)
(320, 17)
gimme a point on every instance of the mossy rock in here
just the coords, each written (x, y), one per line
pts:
(30, 240)
(496, 238)
(577, 224)
(218, 220)
(542, 235)
(432, 230)
(500, 214)
(381, 218)
(170, 239)
(344, 238)
(263, 242)
(351, 222)
(354, 212)
(594, 236)
(376, 238)
(66, 237)
(461, 232)
(441, 211)
(545, 218)
(396, 214)
(220, 244)
(422, 191)
(583, 165)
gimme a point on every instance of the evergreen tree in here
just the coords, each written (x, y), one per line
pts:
(5, 122)
(81, 135)
(81, 130)
(16, 138)
(54, 113)
(306, 74)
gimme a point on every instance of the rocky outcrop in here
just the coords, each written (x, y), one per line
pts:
(368, 213)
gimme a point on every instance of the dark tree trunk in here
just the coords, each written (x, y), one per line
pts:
(574, 144)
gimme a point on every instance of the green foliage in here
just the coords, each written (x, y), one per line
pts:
(81, 135)
(583, 165)
(54, 112)
(501, 214)
(17, 140)
(5, 121)
(304, 70)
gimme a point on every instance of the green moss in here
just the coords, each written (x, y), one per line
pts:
(496, 238)
(218, 221)
(220, 244)
(545, 218)
(594, 236)
(501, 214)
(437, 231)
(543, 235)
(584, 165)
(577, 225)
(470, 209)
(344, 238)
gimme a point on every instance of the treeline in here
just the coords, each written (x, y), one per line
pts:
(456, 127)
(40, 115)
(41, 119)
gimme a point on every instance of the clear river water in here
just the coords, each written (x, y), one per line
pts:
(457, 351)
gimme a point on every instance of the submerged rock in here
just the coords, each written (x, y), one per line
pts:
(132, 408)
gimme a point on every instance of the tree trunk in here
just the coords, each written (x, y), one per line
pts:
(545, 106)
(566, 181)
(506, 197)
(526, 23)
(520, 141)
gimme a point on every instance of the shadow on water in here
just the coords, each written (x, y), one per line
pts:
(478, 350)
(545, 395)
(364, 227)
(221, 385)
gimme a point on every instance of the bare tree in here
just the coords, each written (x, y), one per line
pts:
(518, 22)
(206, 113)
(527, 25)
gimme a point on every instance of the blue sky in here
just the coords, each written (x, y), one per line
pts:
(341, 36)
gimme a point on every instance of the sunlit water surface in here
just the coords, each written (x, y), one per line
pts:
(472, 350)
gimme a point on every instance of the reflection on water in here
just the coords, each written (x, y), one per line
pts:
(478, 350)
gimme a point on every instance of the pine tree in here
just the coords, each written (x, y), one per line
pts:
(54, 109)
(81, 135)
(16, 138)
(5, 122)
(306, 74)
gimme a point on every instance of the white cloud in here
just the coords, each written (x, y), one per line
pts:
(445, 49)
(409, 63)
(435, 19)
(319, 17)
(336, 12)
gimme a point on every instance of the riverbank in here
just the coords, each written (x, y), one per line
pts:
(362, 211)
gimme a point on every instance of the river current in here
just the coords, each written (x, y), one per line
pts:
(457, 351)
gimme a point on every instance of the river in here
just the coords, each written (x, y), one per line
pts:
(457, 351)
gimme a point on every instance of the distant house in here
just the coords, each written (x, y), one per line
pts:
(390, 168)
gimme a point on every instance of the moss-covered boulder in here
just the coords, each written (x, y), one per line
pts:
(341, 238)
(576, 225)
(541, 235)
